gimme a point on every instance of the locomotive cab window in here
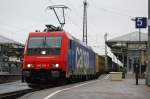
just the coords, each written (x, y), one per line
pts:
(49, 45)
(53, 42)
(53, 45)
(36, 42)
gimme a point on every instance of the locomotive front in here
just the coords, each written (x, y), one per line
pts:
(44, 58)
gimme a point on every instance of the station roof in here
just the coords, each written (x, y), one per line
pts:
(5, 40)
(130, 37)
(119, 45)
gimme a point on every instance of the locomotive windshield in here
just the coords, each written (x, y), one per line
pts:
(36, 42)
(44, 45)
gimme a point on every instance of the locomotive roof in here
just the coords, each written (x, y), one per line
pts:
(77, 40)
(61, 33)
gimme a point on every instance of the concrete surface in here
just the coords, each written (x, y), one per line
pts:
(103, 88)
(5, 78)
(13, 86)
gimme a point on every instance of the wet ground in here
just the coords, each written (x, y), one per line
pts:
(102, 88)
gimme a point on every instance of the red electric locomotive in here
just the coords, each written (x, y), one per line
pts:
(55, 55)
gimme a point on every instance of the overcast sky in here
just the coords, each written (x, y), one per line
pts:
(19, 17)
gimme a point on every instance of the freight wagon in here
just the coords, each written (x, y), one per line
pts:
(56, 56)
(100, 64)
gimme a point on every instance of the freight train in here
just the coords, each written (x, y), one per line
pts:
(100, 64)
(53, 56)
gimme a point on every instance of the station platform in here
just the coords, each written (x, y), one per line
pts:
(105, 88)
(12, 87)
(124, 89)
(101, 88)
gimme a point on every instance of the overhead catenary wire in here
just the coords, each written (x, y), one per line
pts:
(115, 12)
(75, 12)
(18, 28)
(104, 9)
(74, 23)
(74, 9)
(91, 26)
(69, 18)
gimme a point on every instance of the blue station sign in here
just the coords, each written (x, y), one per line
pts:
(140, 22)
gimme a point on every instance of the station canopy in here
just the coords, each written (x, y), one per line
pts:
(130, 37)
(4, 40)
(10, 46)
(121, 45)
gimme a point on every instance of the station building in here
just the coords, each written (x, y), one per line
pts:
(130, 49)
(11, 53)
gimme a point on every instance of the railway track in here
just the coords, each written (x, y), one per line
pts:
(16, 94)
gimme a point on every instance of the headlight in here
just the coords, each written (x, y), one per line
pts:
(29, 65)
(43, 52)
(56, 65)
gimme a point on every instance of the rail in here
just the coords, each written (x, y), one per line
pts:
(16, 94)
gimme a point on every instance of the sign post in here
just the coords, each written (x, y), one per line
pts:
(148, 66)
(140, 23)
